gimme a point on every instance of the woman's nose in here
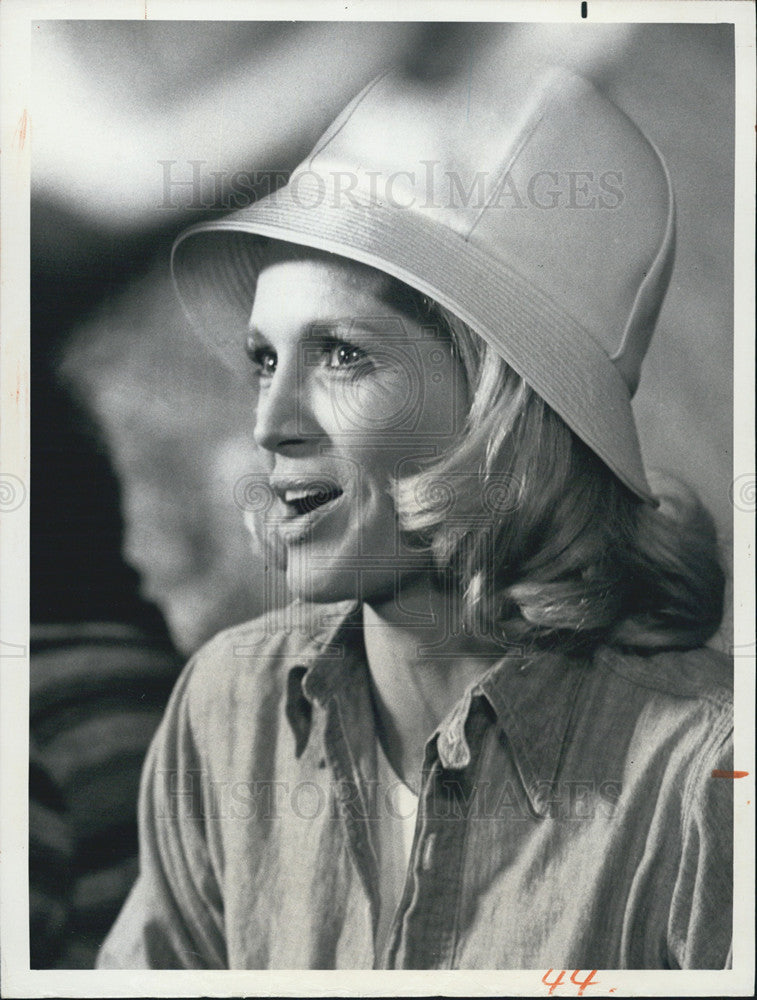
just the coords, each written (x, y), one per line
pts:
(284, 422)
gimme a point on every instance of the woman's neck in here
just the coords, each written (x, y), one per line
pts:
(412, 688)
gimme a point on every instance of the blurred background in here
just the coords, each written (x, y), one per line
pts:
(138, 552)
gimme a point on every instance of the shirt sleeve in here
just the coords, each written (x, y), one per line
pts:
(173, 917)
(701, 919)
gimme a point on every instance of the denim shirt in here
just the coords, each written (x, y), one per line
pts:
(571, 814)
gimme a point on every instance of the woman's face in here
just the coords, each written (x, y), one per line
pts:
(351, 396)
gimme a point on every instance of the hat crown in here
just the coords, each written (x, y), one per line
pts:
(540, 171)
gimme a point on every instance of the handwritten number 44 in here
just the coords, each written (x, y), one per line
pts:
(580, 983)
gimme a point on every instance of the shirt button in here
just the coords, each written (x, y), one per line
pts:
(427, 858)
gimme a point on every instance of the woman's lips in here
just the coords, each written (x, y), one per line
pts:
(304, 501)
(300, 508)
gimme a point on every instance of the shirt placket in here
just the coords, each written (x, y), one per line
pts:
(424, 930)
(354, 792)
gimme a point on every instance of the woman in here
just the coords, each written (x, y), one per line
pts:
(484, 732)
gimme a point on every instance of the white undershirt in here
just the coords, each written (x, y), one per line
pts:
(397, 810)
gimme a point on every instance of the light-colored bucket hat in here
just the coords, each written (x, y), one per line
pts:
(535, 210)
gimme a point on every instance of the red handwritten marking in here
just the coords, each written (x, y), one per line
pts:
(729, 774)
(580, 983)
(21, 129)
(583, 983)
(555, 983)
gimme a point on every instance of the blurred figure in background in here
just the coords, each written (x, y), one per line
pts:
(99, 688)
(172, 423)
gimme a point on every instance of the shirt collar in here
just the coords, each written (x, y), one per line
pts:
(337, 649)
(324, 668)
(532, 696)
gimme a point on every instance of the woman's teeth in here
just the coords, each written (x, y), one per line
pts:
(305, 500)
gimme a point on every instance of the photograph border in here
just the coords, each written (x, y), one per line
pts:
(17, 132)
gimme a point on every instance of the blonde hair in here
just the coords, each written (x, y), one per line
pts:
(541, 541)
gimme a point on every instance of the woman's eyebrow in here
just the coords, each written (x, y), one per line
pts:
(347, 326)
(333, 328)
(339, 328)
(324, 326)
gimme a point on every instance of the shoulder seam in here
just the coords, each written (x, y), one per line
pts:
(718, 695)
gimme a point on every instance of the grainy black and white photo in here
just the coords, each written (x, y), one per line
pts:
(382, 496)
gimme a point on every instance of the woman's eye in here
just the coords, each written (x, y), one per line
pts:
(340, 354)
(263, 358)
